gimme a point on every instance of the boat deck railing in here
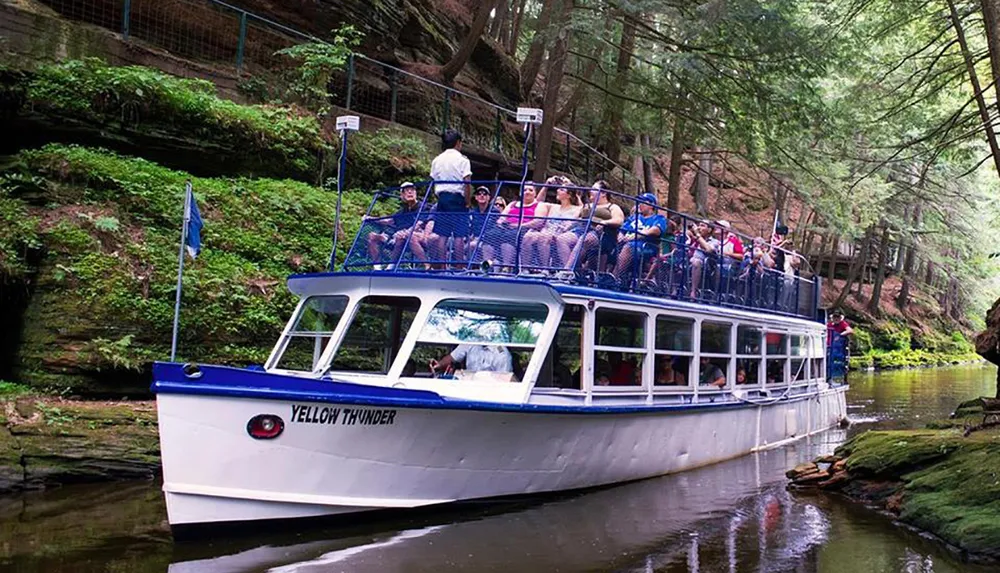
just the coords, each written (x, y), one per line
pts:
(578, 250)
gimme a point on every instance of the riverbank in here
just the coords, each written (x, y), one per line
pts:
(943, 479)
(49, 441)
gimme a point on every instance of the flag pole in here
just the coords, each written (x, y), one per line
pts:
(180, 269)
(345, 123)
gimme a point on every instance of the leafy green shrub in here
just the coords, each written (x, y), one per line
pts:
(861, 341)
(891, 336)
(308, 83)
(19, 234)
(366, 158)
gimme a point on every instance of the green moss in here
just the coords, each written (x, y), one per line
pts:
(279, 138)
(894, 453)
(19, 236)
(105, 297)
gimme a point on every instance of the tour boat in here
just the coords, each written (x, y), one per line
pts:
(584, 378)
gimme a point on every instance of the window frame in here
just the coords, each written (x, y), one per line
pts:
(357, 304)
(760, 357)
(590, 382)
(782, 356)
(729, 357)
(271, 364)
(690, 355)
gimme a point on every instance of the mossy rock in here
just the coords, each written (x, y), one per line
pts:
(882, 454)
(102, 299)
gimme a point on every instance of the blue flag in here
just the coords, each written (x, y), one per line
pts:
(194, 224)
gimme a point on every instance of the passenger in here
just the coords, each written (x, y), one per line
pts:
(705, 245)
(601, 241)
(732, 246)
(680, 367)
(741, 376)
(561, 374)
(664, 372)
(451, 220)
(640, 236)
(477, 358)
(622, 371)
(837, 324)
(711, 374)
(557, 229)
(789, 302)
(505, 233)
(399, 226)
(778, 242)
(671, 263)
(481, 212)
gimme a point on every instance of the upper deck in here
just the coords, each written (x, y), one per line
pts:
(652, 252)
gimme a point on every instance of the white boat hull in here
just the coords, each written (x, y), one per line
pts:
(405, 457)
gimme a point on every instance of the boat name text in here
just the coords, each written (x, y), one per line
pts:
(346, 416)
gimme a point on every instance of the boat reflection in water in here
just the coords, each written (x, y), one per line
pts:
(734, 516)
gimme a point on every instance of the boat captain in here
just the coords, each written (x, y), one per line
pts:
(477, 358)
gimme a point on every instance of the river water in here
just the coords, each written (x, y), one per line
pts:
(731, 517)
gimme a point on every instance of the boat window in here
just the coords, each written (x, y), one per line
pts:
(375, 334)
(776, 343)
(776, 370)
(747, 371)
(620, 328)
(818, 346)
(798, 369)
(817, 368)
(619, 348)
(485, 340)
(311, 332)
(562, 364)
(798, 345)
(674, 333)
(671, 370)
(715, 337)
(712, 372)
(672, 367)
(748, 340)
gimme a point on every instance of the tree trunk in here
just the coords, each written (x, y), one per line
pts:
(991, 18)
(515, 28)
(676, 157)
(701, 180)
(533, 61)
(834, 251)
(588, 72)
(970, 67)
(500, 19)
(553, 81)
(647, 165)
(855, 268)
(866, 249)
(613, 108)
(929, 277)
(903, 298)
(780, 191)
(911, 252)
(461, 57)
(874, 303)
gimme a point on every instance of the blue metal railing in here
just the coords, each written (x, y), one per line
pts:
(578, 247)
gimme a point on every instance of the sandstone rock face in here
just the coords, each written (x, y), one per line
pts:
(988, 341)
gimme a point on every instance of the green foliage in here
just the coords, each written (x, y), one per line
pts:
(8, 389)
(891, 336)
(145, 99)
(110, 235)
(861, 341)
(316, 62)
(53, 415)
(367, 154)
(19, 235)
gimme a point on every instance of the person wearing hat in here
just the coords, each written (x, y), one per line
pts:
(837, 324)
(482, 208)
(396, 228)
(640, 235)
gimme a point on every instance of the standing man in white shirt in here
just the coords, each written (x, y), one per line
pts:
(453, 196)
(477, 358)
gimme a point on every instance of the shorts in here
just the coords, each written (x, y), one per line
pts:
(503, 236)
(452, 216)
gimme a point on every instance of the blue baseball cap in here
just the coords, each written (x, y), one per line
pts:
(649, 198)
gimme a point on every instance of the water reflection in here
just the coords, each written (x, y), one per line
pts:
(731, 517)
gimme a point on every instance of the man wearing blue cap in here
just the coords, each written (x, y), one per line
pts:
(640, 235)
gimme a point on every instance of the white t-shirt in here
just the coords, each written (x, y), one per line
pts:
(450, 165)
(481, 358)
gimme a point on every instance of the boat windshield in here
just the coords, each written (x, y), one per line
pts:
(311, 333)
(484, 340)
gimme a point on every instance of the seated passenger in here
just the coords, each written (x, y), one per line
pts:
(732, 246)
(556, 229)
(664, 372)
(639, 237)
(741, 376)
(397, 228)
(622, 371)
(481, 211)
(601, 241)
(670, 265)
(711, 375)
(504, 235)
(477, 358)
(705, 246)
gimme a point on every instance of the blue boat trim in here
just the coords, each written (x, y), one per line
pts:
(224, 381)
